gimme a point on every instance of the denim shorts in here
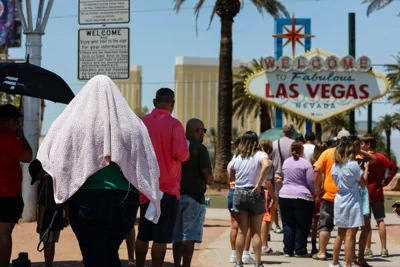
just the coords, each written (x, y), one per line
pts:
(245, 200)
(229, 199)
(365, 201)
(189, 221)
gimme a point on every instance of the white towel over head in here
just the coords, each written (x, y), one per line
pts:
(98, 125)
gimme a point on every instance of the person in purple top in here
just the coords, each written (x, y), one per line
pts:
(297, 202)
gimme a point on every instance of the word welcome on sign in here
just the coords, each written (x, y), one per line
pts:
(317, 63)
(318, 85)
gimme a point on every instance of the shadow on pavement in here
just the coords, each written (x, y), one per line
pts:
(215, 225)
(80, 264)
(275, 262)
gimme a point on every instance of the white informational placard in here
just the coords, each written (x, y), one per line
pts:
(103, 11)
(103, 51)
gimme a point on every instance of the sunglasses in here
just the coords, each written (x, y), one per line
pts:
(204, 129)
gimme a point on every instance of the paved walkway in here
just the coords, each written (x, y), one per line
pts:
(215, 250)
(218, 252)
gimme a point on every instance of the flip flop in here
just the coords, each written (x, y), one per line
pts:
(315, 257)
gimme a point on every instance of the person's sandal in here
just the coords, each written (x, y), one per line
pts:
(131, 264)
(316, 257)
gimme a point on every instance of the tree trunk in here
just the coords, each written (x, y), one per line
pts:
(265, 118)
(388, 134)
(224, 130)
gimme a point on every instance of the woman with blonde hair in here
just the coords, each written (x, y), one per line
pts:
(248, 169)
(297, 202)
(348, 211)
(246, 257)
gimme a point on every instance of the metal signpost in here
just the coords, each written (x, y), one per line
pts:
(293, 36)
(103, 51)
(33, 45)
(104, 11)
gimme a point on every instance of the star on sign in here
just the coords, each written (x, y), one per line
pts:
(293, 36)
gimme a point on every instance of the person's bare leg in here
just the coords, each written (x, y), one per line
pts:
(255, 225)
(158, 254)
(264, 233)
(177, 249)
(314, 234)
(130, 244)
(234, 230)
(188, 249)
(349, 246)
(323, 242)
(49, 253)
(362, 242)
(338, 245)
(247, 241)
(243, 222)
(382, 233)
(5, 243)
(276, 218)
(141, 248)
(369, 238)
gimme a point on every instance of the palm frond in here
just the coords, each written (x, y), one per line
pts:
(273, 7)
(394, 78)
(374, 5)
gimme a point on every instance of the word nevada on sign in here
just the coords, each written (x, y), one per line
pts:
(317, 85)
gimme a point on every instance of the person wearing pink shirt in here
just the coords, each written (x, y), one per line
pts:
(169, 141)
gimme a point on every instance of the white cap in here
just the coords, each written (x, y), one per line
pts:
(342, 133)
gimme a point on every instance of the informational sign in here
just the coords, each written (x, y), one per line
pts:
(104, 11)
(317, 85)
(103, 51)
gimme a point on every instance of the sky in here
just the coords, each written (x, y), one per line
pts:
(158, 35)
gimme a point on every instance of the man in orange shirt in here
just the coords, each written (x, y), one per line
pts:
(13, 149)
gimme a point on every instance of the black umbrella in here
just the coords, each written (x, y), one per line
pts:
(30, 80)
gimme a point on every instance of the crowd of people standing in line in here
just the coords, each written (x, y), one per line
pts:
(316, 186)
(98, 164)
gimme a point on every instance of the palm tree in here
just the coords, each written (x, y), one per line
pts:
(394, 78)
(297, 120)
(386, 124)
(9, 99)
(227, 10)
(243, 104)
(332, 126)
(374, 5)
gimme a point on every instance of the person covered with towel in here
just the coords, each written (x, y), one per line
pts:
(100, 156)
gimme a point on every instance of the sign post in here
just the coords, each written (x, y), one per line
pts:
(103, 51)
(352, 52)
(33, 46)
(292, 36)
